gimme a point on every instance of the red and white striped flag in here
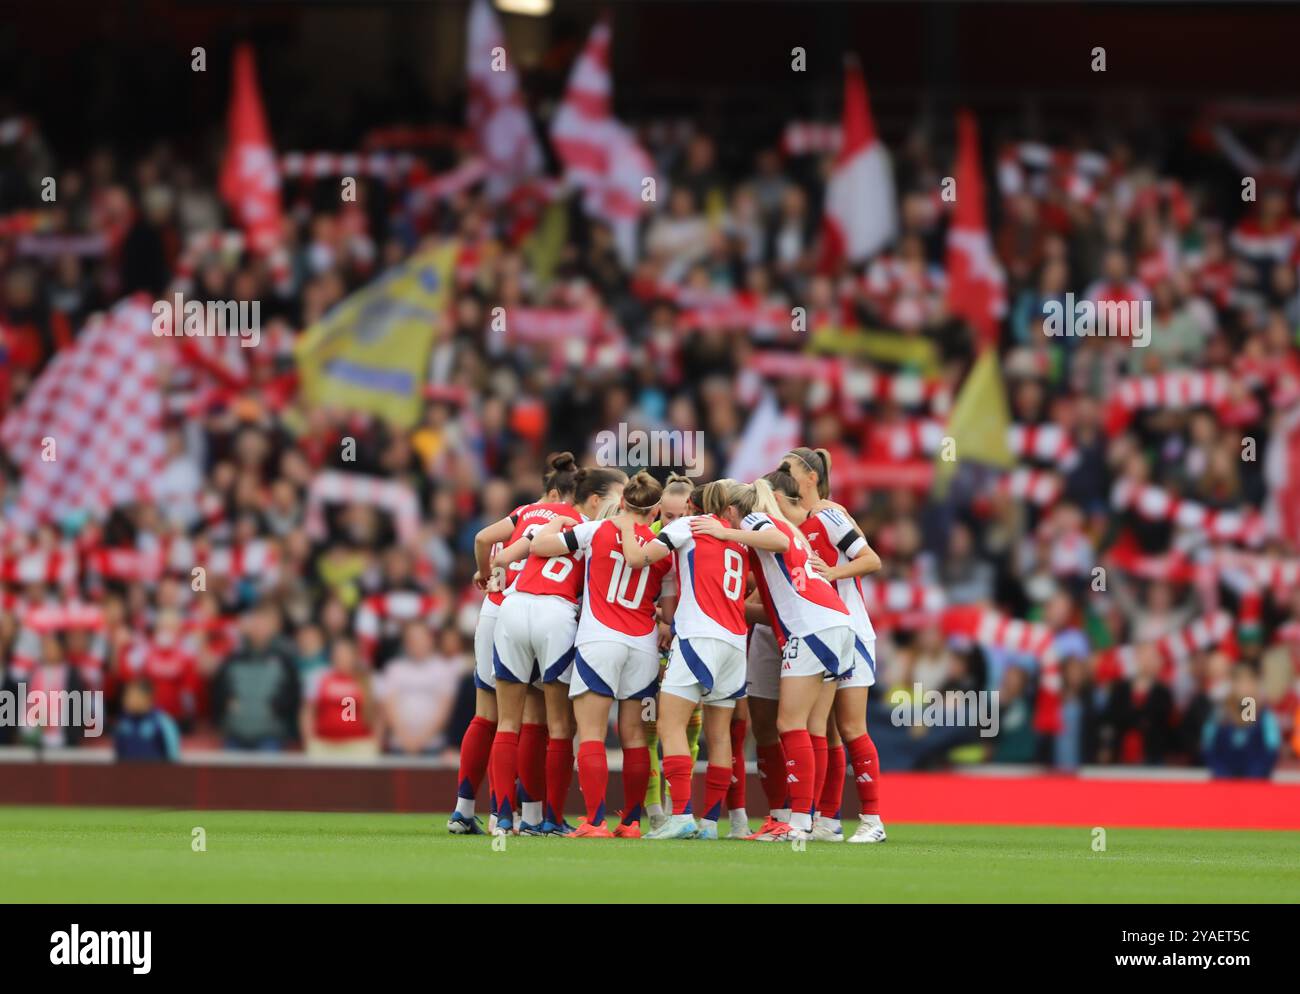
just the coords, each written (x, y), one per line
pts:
(250, 175)
(861, 213)
(496, 111)
(1282, 473)
(976, 287)
(769, 434)
(88, 436)
(600, 155)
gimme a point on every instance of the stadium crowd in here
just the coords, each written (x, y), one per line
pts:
(293, 618)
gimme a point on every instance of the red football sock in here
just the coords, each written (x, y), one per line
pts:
(559, 775)
(717, 779)
(832, 795)
(866, 773)
(771, 773)
(532, 762)
(636, 777)
(801, 769)
(819, 765)
(736, 791)
(677, 773)
(505, 767)
(593, 778)
(475, 748)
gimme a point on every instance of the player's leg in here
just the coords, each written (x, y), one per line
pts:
(674, 714)
(636, 766)
(654, 787)
(533, 740)
(827, 826)
(638, 680)
(505, 751)
(851, 715)
(799, 696)
(555, 627)
(692, 740)
(475, 752)
(818, 732)
(655, 794)
(736, 792)
(717, 775)
(679, 695)
(559, 754)
(771, 757)
(693, 729)
(476, 745)
(763, 689)
(513, 666)
(591, 712)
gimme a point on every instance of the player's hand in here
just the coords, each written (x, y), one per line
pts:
(706, 524)
(665, 637)
(819, 564)
(823, 504)
(480, 580)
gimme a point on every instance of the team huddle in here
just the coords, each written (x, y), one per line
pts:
(698, 610)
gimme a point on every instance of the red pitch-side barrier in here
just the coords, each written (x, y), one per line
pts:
(946, 798)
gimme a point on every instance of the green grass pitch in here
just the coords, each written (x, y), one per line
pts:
(97, 855)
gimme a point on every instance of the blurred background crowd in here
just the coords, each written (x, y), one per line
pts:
(690, 329)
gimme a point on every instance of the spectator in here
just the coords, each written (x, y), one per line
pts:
(144, 732)
(255, 691)
(419, 691)
(50, 695)
(339, 717)
(967, 577)
(1136, 723)
(1016, 741)
(1243, 740)
(1076, 743)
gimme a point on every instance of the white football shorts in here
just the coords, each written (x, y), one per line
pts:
(533, 641)
(705, 670)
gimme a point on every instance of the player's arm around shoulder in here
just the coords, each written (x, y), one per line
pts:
(637, 555)
(756, 531)
(556, 538)
(844, 533)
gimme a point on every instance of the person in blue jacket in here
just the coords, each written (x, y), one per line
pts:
(1243, 740)
(144, 732)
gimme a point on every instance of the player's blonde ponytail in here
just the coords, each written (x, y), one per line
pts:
(748, 498)
(713, 498)
(678, 484)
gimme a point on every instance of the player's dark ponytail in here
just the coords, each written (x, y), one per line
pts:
(597, 481)
(561, 474)
(817, 462)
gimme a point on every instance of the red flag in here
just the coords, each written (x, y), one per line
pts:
(976, 289)
(600, 155)
(101, 404)
(496, 110)
(860, 216)
(250, 176)
(1282, 473)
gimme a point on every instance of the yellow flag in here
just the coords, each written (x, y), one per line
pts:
(371, 351)
(978, 423)
(918, 354)
(545, 245)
